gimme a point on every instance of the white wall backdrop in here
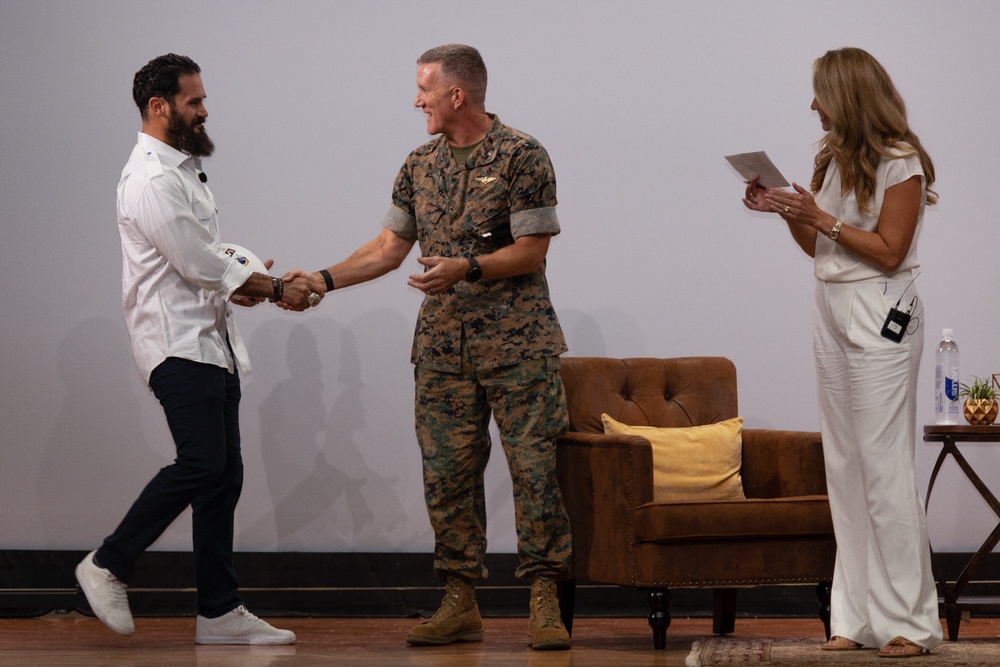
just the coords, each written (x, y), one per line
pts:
(311, 110)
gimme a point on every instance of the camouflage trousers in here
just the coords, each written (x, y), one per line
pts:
(453, 410)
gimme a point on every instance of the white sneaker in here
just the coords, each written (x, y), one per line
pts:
(106, 595)
(240, 627)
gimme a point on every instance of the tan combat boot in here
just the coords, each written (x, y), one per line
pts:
(456, 620)
(547, 630)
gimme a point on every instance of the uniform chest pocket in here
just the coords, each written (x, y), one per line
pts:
(486, 191)
(203, 209)
(429, 205)
(490, 226)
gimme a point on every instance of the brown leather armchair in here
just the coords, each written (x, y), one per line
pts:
(781, 534)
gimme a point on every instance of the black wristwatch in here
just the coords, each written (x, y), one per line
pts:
(475, 271)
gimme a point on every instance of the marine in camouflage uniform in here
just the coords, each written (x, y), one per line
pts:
(487, 340)
(486, 347)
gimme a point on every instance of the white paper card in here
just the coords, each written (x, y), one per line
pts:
(758, 164)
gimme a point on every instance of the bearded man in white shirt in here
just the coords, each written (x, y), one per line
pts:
(176, 289)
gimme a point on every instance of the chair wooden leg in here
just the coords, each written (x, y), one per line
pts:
(823, 594)
(723, 610)
(567, 603)
(659, 616)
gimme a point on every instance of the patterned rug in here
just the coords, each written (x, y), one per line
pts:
(717, 651)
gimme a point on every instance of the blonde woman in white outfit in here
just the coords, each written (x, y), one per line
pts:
(860, 220)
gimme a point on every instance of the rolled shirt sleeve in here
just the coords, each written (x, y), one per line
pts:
(400, 223)
(534, 221)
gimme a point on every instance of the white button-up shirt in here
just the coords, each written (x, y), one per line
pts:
(176, 282)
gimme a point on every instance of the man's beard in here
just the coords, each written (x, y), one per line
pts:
(184, 137)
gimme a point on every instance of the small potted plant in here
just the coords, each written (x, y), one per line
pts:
(980, 401)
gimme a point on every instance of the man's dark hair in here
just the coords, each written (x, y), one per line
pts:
(161, 78)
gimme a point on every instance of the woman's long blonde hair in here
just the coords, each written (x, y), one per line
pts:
(868, 118)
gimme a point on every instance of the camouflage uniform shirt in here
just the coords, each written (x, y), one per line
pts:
(505, 189)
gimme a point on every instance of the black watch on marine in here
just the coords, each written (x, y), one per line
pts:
(475, 271)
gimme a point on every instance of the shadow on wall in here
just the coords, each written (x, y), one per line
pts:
(588, 332)
(97, 459)
(315, 471)
(308, 406)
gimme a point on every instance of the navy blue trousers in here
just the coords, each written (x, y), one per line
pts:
(201, 403)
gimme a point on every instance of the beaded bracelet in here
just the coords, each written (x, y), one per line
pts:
(279, 288)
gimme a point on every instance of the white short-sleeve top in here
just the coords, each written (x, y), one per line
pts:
(834, 263)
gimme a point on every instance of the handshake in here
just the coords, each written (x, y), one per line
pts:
(301, 290)
(297, 290)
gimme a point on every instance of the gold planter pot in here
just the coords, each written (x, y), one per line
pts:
(980, 411)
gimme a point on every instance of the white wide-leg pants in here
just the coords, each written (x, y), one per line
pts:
(882, 583)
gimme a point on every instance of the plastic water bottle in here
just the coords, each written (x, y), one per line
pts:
(946, 407)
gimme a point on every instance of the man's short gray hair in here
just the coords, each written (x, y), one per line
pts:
(463, 65)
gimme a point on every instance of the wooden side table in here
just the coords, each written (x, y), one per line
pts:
(954, 601)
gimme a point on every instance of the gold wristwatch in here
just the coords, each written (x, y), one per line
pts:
(834, 232)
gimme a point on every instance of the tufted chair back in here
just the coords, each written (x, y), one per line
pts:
(689, 391)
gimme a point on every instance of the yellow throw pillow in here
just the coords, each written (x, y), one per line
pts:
(693, 464)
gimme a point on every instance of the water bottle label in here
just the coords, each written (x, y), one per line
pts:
(951, 388)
